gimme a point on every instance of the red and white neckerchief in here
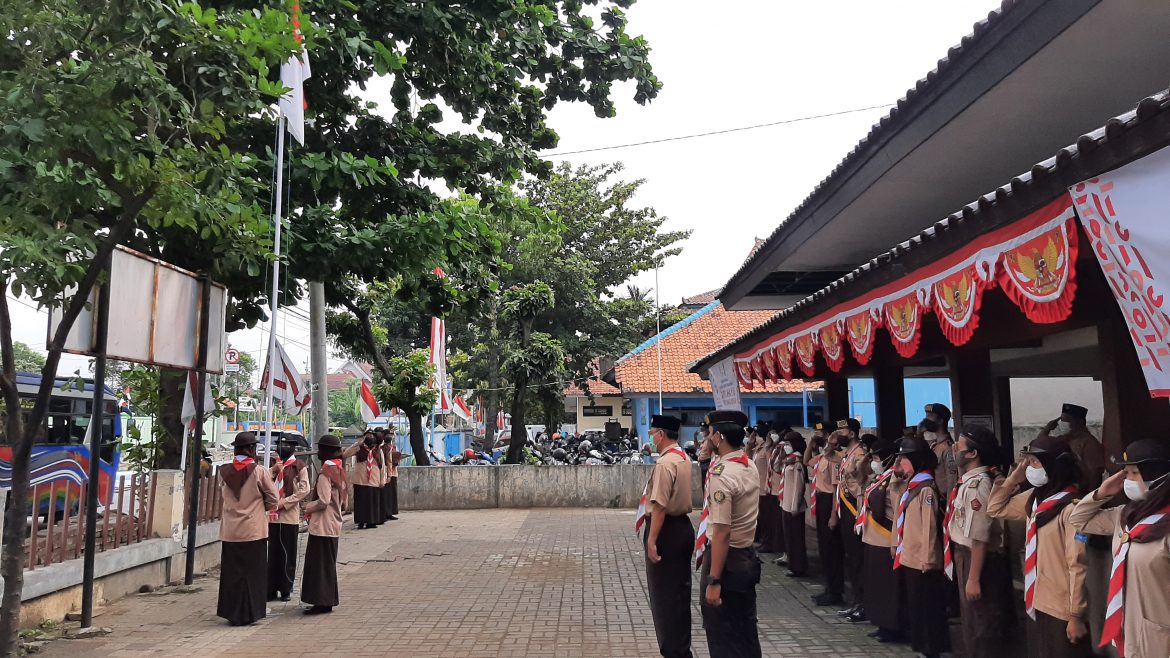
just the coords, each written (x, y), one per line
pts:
(280, 476)
(640, 518)
(1030, 543)
(812, 491)
(915, 482)
(840, 490)
(948, 555)
(863, 511)
(701, 535)
(240, 462)
(336, 463)
(1113, 631)
(788, 461)
(369, 465)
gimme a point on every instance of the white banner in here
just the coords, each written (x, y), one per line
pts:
(725, 385)
(1125, 214)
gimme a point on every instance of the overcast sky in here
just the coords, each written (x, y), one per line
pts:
(726, 65)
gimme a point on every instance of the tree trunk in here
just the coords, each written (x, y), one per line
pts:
(15, 524)
(519, 436)
(168, 450)
(491, 413)
(417, 440)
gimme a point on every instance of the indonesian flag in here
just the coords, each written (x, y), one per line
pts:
(438, 357)
(367, 405)
(500, 420)
(293, 74)
(189, 415)
(460, 408)
(289, 391)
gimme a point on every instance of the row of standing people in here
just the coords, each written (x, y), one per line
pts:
(262, 514)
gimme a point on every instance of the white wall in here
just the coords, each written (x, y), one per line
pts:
(1037, 401)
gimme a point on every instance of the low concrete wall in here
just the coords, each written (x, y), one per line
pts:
(514, 486)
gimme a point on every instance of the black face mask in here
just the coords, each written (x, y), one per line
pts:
(285, 452)
(928, 425)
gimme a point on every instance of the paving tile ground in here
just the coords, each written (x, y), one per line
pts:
(472, 584)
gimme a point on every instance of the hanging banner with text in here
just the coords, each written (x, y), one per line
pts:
(1124, 213)
(725, 385)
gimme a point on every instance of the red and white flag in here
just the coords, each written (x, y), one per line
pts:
(293, 74)
(460, 408)
(189, 415)
(367, 405)
(438, 357)
(289, 390)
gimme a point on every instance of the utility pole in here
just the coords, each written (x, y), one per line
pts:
(320, 420)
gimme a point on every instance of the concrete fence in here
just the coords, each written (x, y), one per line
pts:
(514, 486)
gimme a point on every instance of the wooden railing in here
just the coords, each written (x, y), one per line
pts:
(210, 499)
(58, 533)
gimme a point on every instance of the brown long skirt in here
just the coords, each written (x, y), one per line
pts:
(282, 557)
(987, 620)
(367, 505)
(1047, 638)
(883, 595)
(243, 581)
(926, 603)
(766, 523)
(319, 582)
(794, 541)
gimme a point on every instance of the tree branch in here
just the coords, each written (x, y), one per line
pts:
(7, 356)
(363, 316)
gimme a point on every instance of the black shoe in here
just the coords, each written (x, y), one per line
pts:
(876, 634)
(286, 597)
(795, 574)
(781, 561)
(886, 637)
(392, 518)
(827, 598)
(848, 611)
(857, 616)
(319, 610)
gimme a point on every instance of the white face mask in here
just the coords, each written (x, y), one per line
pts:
(931, 437)
(1139, 489)
(1062, 428)
(785, 449)
(1037, 476)
(877, 467)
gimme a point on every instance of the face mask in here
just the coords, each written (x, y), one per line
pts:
(1037, 476)
(1139, 489)
(785, 449)
(931, 437)
(877, 467)
(1062, 428)
(929, 425)
(285, 453)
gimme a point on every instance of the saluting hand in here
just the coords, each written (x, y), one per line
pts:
(1111, 486)
(1017, 474)
(713, 595)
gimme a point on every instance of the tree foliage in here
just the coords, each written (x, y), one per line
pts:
(26, 358)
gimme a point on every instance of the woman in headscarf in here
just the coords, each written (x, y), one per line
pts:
(883, 595)
(284, 523)
(248, 496)
(319, 582)
(366, 476)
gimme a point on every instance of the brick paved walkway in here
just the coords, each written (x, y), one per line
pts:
(557, 582)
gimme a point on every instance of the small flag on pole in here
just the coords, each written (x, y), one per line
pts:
(368, 405)
(293, 74)
(289, 391)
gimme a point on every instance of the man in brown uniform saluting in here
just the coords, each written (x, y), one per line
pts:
(669, 539)
(731, 569)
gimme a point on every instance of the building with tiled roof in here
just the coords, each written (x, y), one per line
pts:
(601, 403)
(686, 394)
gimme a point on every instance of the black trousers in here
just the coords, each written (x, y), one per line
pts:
(854, 553)
(885, 600)
(282, 557)
(394, 495)
(732, 628)
(387, 501)
(669, 583)
(243, 574)
(985, 621)
(926, 598)
(1047, 638)
(829, 546)
(794, 541)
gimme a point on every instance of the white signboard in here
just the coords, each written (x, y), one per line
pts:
(725, 385)
(1124, 215)
(154, 315)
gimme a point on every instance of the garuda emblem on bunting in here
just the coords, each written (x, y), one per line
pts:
(956, 303)
(831, 347)
(860, 330)
(1039, 275)
(758, 369)
(903, 319)
(769, 358)
(806, 351)
(783, 353)
(743, 370)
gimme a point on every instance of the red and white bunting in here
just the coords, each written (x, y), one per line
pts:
(956, 301)
(832, 348)
(367, 404)
(806, 352)
(1039, 275)
(860, 329)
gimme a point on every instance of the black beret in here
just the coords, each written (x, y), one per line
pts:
(1145, 450)
(911, 445)
(849, 424)
(668, 423)
(938, 409)
(727, 416)
(1074, 410)
(329, 441)
(245, 439)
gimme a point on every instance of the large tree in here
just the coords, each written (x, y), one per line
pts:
(26, 358)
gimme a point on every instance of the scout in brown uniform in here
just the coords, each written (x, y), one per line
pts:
(769, 508)
(1139, 599)
(1054, 552)
(248, 495)
(776, 456)
(935, 428)
(852, 478)
(390, 458)
(825, 471)
(731, 569)
(366, 476)
(319, 582)
(884, 598)
(979, 566)
(292, 485)
(669, 539)
(918, 551)
(794, 484)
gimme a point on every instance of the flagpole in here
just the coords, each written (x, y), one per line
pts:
(658, 336)
(276, 216)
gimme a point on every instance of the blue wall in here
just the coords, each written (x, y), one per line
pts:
(919, 393)
(792, 406)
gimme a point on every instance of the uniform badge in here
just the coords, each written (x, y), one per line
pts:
(976, 505)
(718, 470)
(719, 496)
(928, 498)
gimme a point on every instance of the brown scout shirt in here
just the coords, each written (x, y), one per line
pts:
(795, 482)
(733, 498)
(1060, 559)
(1090, 453)
(946, 474)
(970, 521)
(922, 547)
(878, 535)
(289, 508)
(325, 509)
(855, 470)
(670, 484)
(359, 474)
(826, 474)
(246, 518)
(761, 459)
(1147, 570)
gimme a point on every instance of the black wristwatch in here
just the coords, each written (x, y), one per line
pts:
(716, 582)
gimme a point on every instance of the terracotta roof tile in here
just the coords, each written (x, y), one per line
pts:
(596, 387)
(698, 335)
